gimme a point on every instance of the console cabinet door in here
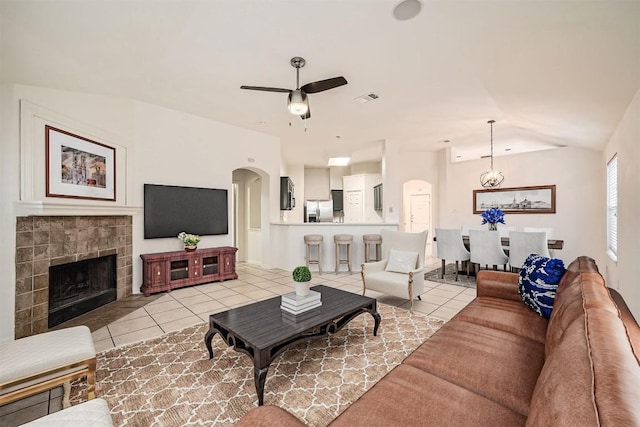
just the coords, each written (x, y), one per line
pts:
(228, 269)
(210, 266)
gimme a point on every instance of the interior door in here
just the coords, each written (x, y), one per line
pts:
(353, 208)
(420, 212)
(420, 217)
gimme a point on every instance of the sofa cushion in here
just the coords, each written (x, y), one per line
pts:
(464, 353)
(401, 261)
(407, 396)
(538, 281)
(505, 315)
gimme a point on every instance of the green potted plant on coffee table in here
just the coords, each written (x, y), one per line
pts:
(302, 279)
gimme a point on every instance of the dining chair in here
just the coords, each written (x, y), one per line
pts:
(524, 243)
(450, 247)
(550, 235)
(465, 228)
(486, 249)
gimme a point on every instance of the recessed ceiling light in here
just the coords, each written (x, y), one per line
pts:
(507, 149)
(407, 9)
(446, 141)
(338, 161)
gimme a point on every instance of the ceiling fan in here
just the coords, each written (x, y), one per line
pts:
(297, 101)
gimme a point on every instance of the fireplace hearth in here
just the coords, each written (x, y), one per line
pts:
(79, 287)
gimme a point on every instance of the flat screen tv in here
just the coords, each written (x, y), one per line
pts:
(169, 209)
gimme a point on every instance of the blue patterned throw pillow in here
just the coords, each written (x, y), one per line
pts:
(538, 282)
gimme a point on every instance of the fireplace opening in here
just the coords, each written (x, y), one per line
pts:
(79, 287)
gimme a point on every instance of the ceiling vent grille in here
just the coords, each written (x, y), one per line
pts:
(367, 98)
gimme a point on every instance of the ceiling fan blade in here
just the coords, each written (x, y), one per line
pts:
(323, 85)
(266, 89)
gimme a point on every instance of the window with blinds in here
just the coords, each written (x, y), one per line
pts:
(612, 207)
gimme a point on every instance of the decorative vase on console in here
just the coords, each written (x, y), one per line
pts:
(493, 216)
(302, 277)
(190, 241)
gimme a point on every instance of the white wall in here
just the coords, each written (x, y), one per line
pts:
(625, 273)
(316, 184)
(578, 175)
(399, 167)
(365, 167)
(163, 147)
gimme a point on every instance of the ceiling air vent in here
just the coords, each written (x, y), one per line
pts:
(367, 98)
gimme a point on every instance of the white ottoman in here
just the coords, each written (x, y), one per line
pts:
(44, 361)
(92, 413)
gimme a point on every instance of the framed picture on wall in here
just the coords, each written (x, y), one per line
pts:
(77, 167)
(526, 200)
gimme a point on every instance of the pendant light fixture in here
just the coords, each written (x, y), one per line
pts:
(491, 178)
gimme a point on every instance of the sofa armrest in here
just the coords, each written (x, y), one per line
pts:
(497, 284)
(268, 416)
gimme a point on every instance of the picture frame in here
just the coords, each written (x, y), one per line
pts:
(539, 199)
(78, 167)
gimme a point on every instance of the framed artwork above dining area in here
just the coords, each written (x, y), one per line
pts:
(539, 199)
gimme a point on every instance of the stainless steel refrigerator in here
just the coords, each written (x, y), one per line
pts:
(318, 211)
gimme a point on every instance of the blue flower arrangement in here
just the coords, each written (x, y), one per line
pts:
(492, 216)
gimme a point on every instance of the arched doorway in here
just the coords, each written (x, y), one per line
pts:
(249, 214)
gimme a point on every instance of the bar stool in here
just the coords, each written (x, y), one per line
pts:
(314, 240)
(372, 239)
(343, 240)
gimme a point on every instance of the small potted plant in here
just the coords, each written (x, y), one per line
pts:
(190, 241)
(302, 277)
(493, 216)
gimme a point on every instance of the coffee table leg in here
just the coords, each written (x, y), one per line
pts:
(377, 319)
(207, 339)
(260, 376)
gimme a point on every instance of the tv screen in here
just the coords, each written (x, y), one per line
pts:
(169, 209)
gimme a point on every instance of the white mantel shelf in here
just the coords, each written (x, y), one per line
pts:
(49, 208)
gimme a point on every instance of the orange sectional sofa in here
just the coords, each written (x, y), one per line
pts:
(497, 363)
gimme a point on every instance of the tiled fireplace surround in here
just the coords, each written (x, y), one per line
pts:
(43, 241)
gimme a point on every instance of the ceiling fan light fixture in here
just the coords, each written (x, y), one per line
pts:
(298, 102)
(491, 178)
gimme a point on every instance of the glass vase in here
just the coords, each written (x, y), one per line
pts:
(493, 226)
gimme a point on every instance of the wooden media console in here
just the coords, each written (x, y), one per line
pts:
(165, 271)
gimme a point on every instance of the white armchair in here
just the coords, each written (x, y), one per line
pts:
(400, 273)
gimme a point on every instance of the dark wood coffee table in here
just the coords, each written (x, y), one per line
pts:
(263, 331)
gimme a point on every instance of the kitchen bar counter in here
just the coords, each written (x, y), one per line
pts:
(288, 242)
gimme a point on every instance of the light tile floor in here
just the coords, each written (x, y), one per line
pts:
(189, 306)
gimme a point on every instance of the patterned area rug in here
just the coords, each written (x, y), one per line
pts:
(450, 276)
(170, 381)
